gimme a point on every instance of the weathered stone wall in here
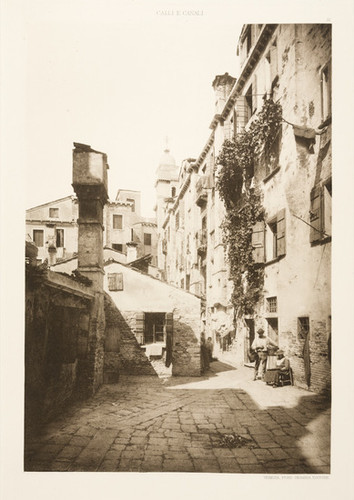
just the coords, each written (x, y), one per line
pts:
(64, 353)
(301, 280)
(132, 358)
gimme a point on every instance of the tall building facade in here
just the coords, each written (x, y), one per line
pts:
(291, 66)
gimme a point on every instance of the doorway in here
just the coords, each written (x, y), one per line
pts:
(249, 338)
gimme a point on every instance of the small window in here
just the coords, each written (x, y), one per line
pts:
(272, 304)
(303, 327)
(117, 221)
(326, 92)
(188, 282)
(117, 246)
(272, 153)
(131, 200)
(182, 283)
(59, 236)
(248, 40)
(147, 239)
(115, 281)
(173, 192)
(54, 213)
(38, 237)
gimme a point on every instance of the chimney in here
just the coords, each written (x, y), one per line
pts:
(90, 185)
(222, 86)
(131, 251)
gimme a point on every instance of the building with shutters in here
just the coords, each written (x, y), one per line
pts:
(290, 64)
(53, 228)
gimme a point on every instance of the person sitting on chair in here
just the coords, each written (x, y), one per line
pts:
(282, 367)
(260, 347)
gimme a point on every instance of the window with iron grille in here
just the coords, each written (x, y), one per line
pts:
(272, 304)
(303, 327)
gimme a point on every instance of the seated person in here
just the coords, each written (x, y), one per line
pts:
(282, 366)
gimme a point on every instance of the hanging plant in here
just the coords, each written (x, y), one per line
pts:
(236, 161)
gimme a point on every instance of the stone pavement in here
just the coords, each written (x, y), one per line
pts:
(153, 424)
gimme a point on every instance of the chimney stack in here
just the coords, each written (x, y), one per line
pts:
(90, 185)
(222, 86)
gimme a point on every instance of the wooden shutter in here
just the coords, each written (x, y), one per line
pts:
(115, 281)
(316, 209)
(258, 242)
(281, 242)
(140, 326)
(241, 113)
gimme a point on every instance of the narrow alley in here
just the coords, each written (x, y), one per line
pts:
(179, 424)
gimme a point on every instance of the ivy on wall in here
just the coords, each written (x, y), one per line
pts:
(243, 204)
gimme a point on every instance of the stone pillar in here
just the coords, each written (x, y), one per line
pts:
(90, 185)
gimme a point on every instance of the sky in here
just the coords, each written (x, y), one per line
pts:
(121, 77)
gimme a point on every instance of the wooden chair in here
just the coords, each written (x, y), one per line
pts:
(286, 378)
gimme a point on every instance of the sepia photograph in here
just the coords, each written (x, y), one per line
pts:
(177, 228)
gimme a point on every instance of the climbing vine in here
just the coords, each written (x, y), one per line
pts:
(243, 202)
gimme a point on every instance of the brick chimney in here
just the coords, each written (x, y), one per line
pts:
(222, 86)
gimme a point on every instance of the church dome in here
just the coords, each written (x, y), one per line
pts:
(167, 159)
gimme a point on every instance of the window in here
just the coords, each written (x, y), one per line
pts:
(248, 40)
(326, 97)
(117, 246)
(147, 239)
(117, 221)
(173, 192)
(272, 153)
(132, 234)
(182, 283)
(321, 212)
(54, 213)
(269, 242)
(303, 327)
(38, 237)
(131, 200)
(188, 282)
(271, 61)
(59, 236)
(272, 304)
(115, 281)
(177, 220)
